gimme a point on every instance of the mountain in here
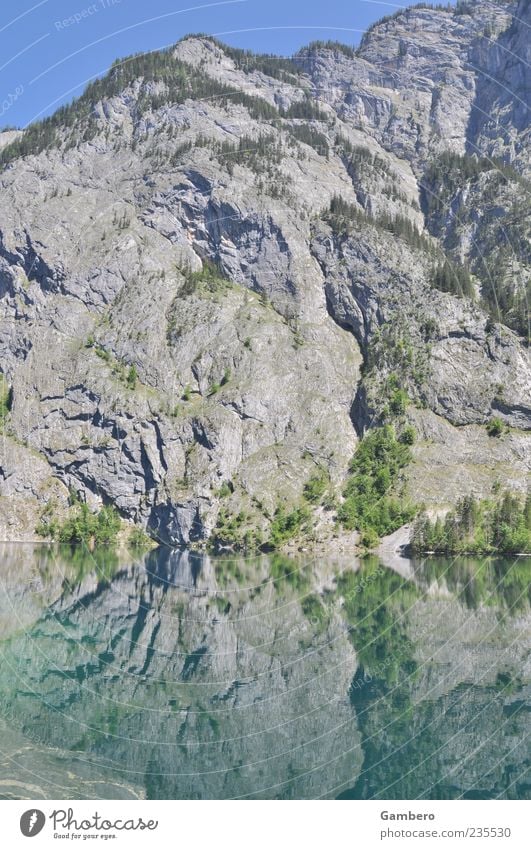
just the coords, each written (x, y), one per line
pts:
(220, 271)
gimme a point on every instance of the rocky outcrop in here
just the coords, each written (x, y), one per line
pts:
(413, 83)
(380, 288)
(499, 124)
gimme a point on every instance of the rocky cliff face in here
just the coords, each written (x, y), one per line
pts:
(211, 264)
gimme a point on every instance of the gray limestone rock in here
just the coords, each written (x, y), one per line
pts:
(176, 315)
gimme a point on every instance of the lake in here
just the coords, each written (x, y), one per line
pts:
(173, 675)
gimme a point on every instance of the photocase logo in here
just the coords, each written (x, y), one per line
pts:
(32, 822)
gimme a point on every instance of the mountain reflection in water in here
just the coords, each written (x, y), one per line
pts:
(178, 675)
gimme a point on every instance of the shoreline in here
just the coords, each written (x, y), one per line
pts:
(391, 549)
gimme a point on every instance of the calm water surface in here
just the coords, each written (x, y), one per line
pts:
(174, 675)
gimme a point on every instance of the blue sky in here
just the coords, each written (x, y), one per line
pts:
(50, 49)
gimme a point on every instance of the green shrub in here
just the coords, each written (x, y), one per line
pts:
(286, 526)
(48, 528)
(210, 279)
(398, 402)
(132, 377)
(408, 435)
(429, 329)
(102, 353)
(368, 505)
(223, 605)
(6, 400)
(315, 488)
(82, 526)
(236, 532)
(369, 538)
(139, 540)
(495, 427)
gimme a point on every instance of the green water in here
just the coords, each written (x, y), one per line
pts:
(174, 675)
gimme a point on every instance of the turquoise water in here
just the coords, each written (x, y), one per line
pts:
(175, 675)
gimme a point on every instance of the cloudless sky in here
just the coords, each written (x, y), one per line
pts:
(46, 59)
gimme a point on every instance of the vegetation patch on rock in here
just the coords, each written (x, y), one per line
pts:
(370, 504)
